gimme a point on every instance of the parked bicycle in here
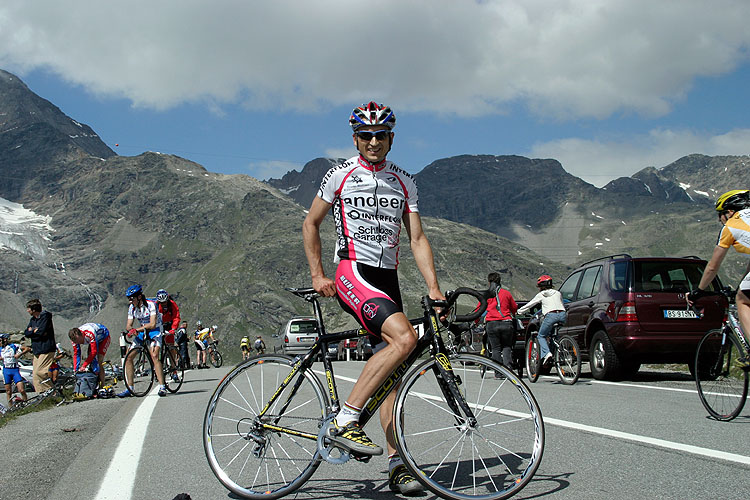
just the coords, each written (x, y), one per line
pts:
(565, 352)
(143, 368)
(722, 384)
(267, 425)
(214, 356)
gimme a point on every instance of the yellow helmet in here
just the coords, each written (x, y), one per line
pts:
(736, 199)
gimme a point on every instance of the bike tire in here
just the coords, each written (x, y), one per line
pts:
(143, 371)
(256, 462)
(491, 459)
(216, 359)
(568, 360)
(171, 368)
(722, 385)
(533, 361)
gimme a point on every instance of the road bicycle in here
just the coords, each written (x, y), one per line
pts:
(214, 355)
(143, 373)
(267, 426)
(65, 382)
(722, 384)
(565, 351)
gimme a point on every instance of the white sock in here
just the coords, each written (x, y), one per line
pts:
(348, 413)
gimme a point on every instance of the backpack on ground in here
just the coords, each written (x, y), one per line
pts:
(86, 383)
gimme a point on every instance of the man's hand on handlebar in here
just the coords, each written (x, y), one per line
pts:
(132, 332)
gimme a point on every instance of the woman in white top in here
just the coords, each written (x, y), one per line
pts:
(552, 309)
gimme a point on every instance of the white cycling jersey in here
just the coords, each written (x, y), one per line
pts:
(369, 202)
(143, 314)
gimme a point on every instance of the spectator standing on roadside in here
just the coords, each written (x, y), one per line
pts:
(11, 373)
(499, 321)
(42, 335)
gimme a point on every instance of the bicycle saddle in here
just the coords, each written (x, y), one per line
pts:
(306, 293)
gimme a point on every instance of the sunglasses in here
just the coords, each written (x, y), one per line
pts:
(367, 135)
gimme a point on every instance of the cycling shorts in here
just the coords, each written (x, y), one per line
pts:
(200, 345)
(245, 348)
(370, 294)
(102, 346)
(54, 366)
(12, 375)
(154, 335)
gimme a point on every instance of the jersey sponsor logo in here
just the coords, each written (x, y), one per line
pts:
(348, 291)
(372, 201)
(370, 310)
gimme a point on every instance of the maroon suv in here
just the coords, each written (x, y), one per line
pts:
(626, 310)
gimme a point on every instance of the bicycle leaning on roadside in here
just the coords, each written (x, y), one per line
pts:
(267, 425)
(142, 378)
(722, 384)
(565, 352)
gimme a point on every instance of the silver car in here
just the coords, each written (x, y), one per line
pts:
(298, 335)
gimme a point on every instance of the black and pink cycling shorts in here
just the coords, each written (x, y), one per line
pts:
(370, 294)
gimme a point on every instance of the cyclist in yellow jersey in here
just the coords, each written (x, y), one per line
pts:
(245, 347)
(734, 213)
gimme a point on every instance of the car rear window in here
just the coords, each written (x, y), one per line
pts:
(303, 327)
(667, 276)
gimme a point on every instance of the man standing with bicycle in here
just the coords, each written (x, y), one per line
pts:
(371, 197)
(148, 332)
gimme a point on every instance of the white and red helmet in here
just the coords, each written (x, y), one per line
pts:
(372, 113)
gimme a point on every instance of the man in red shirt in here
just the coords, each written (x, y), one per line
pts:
(170, 320)
(499, 321)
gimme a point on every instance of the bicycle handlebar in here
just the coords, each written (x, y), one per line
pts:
(450, 299)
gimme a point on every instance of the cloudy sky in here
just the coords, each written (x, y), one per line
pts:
(262, 87)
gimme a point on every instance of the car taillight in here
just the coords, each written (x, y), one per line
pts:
(286, 339)
(627, 312)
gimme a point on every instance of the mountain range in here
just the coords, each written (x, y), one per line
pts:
(79, 223)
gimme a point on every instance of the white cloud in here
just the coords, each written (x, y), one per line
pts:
(599, 161)
(564, 58)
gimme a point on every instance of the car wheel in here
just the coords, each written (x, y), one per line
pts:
(603, 360)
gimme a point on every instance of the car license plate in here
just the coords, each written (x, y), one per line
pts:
(679, 314)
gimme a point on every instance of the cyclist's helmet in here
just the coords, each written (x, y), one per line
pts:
(736, 199)
(133, 290)
(162, 295)
(544, 281)
(372, 113)
(4, 336)
(214, 327)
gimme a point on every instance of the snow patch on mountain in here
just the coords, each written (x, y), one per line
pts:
(24, 231)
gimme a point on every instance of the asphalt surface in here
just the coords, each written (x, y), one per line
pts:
(646, 438)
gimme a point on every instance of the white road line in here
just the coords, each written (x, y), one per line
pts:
(661, 443)
(120, 477)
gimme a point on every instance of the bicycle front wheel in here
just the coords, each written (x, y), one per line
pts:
(722, 385)
(140, 378)
(216, 359)
(174, 372)
(568, 360)
(456, 458)
(269, 456)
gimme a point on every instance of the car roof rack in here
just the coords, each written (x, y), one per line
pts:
(606, 257)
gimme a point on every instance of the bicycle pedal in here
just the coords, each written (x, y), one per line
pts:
(360, 458)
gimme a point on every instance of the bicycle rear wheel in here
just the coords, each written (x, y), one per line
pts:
(216, 359)
(249, 459)
(140, 380)
(568, 360)
(533, 362)
(174, 372)
(493, 458)
(722, 385)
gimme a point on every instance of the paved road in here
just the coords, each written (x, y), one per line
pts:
(649, 438)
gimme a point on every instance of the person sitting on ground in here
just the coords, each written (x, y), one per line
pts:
(54, 369)
(97, 338)
(11, 372)
(553, 311)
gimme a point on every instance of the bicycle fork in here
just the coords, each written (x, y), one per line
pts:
(448, 382)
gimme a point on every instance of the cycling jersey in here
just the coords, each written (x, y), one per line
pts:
(8, 355)
(259, 344)
(369, 202)
(245, 343)
(202, 334)
(736, 232)
(170, 315)
(143, 314)
(97, 337)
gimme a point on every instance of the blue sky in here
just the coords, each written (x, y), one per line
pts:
(260, 88)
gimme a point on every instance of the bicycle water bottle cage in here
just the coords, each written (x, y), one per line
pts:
(326, 446)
